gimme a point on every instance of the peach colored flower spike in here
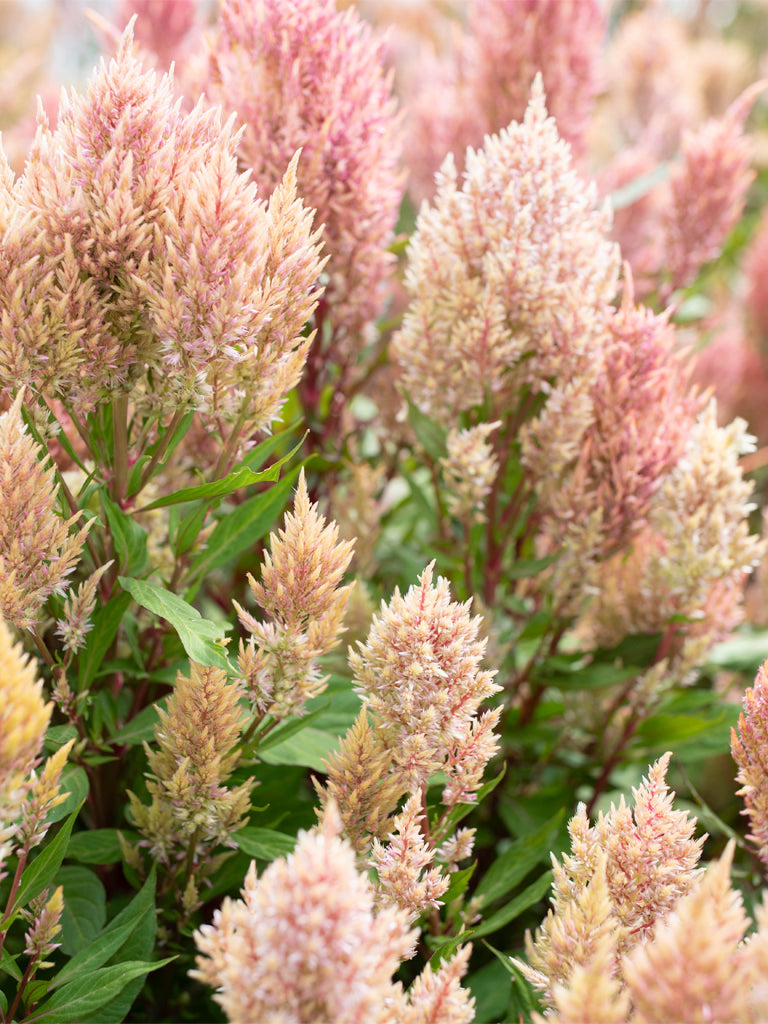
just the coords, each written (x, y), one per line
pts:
(302, 75)
(137, 258)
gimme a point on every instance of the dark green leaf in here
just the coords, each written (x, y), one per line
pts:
(309, 748)
(445, 949)
(263, 843)
(85, 908)
(511, 867)
(197, 635)
(71, 1003)
(106, 622)
(42, 870)
(141, 727)
(120, 935)
(98, 846)
(130, 539)
(244, 526)
(527, 898)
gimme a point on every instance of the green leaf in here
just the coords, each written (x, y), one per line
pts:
(309, 748)
(511, 867)
(71, 1003)
(74, 781)
(106, 622)
(241, 477)
(98, 846)
(244, 526)
(129, 538)
(127, 933)
(141, 727)
(189, 528)
(524, 568)
(445, 949)
(745, 652)
(430, 435)
(85, 908)
(197, 634)
(263, 843)
(42, 870)
(527, 898)
(134, 479)
(524, 988)
(8, 965)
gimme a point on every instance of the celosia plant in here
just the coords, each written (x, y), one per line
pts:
(177, 272)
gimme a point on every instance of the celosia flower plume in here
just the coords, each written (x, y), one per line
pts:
(306, 942)
(303, 75)
(749, 747)
(24, 718)
(419, 674)
(485, 84)
(510, 275)
(38, 551)
(300, 593)
(624, 874)
(137, 258)
(197, 738)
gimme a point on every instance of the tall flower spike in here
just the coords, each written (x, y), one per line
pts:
(306, 942)
(299, 590)
(749, 747)
(648, 859)
(362, 784)
(24, 718)
(642, 412)
(197, 736)
(37, 549)
(419, 673)
(303, 75)
(487, 82)
(690, 971)
(708, 191)
(405, 865)
(510, 275)
(136, 257)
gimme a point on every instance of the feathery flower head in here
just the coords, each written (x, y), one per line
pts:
(486, 83)
(692, 558)
(707, 190)
(749, 747)
(24, 718)
(642, 411)
(197, 736)
(362, 783)
(510, 274)
(419, 674)
(303, 75)
(407, 874)
(299, 590)
(37, 550)
(693, 969)
(136, 257)
(437, 995)
(470, 468)
(696, 965)
(514, 41)
(46, 924)
(306, 942)
(639, 861)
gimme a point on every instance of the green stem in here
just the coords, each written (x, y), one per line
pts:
(120, 446)
(161, 449)
(224, 463)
